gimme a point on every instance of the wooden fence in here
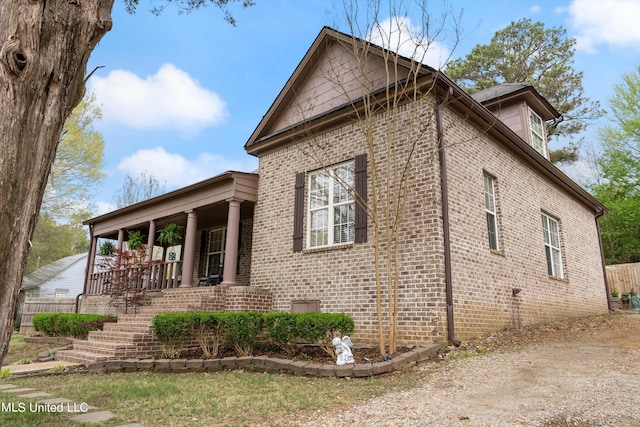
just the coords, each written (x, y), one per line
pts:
(33, 306)
(624, 277)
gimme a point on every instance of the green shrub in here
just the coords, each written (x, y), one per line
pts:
(174, 330)
(241, 330)
(16, 325)
(209, 333)
(69, 324)
(281, 329)
(321, 328)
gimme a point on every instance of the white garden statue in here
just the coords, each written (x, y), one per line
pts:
(343, 350)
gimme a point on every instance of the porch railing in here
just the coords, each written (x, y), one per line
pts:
(159, 275)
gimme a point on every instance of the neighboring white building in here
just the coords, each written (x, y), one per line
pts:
(63, 278)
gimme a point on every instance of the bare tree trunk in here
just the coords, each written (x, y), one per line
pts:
(44, 49)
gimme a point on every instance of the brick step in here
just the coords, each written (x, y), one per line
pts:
(142, 328)
(76, 356)
(133, 318)
(119, 336)
(107, 348)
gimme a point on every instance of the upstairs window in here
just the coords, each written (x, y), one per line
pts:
(331, 213)
(551, 232)
(536, 128)
(491, 211)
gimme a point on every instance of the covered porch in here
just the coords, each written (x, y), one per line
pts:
(215, 219)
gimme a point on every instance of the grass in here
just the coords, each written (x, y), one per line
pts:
(200, 399)
(233, 398)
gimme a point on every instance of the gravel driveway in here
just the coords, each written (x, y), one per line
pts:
(584, 373)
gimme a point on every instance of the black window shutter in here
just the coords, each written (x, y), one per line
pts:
(298, 213)
(361, 191)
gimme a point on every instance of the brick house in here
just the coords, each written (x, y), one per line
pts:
(493, 235)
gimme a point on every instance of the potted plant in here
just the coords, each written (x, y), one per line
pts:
(107, 248)
(170, 235)
(135, 240)
(624, 298)
(613, 301)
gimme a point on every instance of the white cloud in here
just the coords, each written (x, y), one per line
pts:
(612, 22)
(176, 170)
(169, 99)
(400, 35)
(535, 9)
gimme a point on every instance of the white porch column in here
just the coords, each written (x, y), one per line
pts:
(231, 248)
(188, 258)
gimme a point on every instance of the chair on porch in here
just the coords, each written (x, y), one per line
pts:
(212, 279)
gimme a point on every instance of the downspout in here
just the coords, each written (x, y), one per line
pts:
(92, 254)
(604, 268)
(444, 191)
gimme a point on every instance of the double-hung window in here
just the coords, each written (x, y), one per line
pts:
(536, 128)
(491, 211)
(331, 206)
(215, 250)
(551, 232)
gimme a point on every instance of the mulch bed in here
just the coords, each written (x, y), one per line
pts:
(306, 353)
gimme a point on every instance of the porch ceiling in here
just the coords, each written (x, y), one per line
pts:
(208, 198)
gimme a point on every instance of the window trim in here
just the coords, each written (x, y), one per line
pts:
(330, 207)
(487, 178)
(533, 133)
(554, 271)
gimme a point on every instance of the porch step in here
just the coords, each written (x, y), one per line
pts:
(83, 357)
(137, 328)
(121, 336)
(132, 334)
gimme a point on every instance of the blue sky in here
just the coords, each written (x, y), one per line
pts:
(181, 93)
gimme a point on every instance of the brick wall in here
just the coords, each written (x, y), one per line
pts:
(206, 298)
(483, 279)
(343, 278)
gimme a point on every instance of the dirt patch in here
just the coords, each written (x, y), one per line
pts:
(577, 373)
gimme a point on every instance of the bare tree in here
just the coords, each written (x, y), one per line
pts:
(137, 189)
(395, 113)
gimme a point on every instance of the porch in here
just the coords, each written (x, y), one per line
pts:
(215, 222)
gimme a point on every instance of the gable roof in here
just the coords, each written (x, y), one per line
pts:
(51, 271)
(265, 137)
(506, 92)
(319, 55)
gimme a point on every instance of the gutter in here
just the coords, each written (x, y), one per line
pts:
(444, 191)
(604, 267)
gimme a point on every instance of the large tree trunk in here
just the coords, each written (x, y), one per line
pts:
(44, 49)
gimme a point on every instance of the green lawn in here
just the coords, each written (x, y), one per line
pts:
(198, 399)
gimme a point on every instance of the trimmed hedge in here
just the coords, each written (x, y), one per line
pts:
(243, 331)
(70, 324)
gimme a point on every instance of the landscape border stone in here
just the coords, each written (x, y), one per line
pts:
(254, 363)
